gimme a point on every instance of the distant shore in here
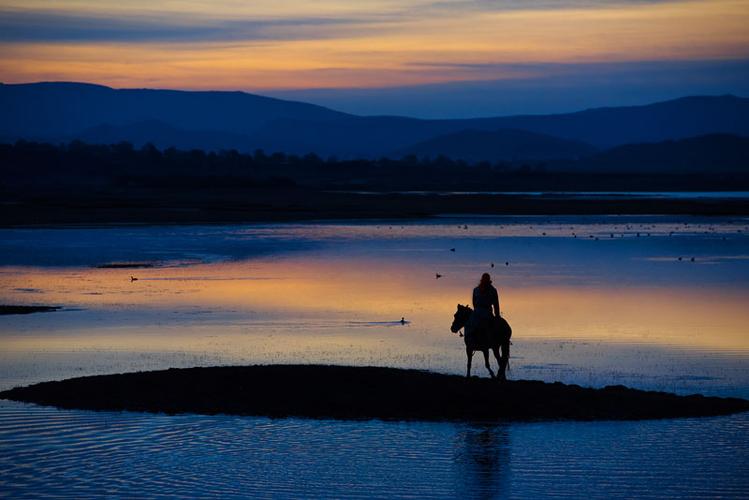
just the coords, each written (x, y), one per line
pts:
(344, 392)
(281, 204)
(58, 184)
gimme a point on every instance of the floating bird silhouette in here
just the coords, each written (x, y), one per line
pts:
(133, 278)
(437, 275)
(507, 263)
(492, 264)
(452, 249)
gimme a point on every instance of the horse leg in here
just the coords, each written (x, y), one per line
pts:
(495, 350)
(500, 371)
(486, 362)
(504, 359)
(469, 355)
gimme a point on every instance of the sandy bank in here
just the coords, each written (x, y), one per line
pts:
(361, 393)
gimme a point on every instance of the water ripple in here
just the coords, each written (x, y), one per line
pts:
(76, 454)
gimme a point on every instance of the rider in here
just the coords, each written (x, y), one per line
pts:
(486, 316)
(486, 298)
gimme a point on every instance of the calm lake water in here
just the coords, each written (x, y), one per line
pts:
(650, 302)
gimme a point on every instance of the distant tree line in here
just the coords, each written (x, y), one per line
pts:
(122, 164)
(78, 166)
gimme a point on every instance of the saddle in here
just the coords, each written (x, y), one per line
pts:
(492, 329)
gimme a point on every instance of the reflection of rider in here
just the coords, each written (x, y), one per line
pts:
(486, 317)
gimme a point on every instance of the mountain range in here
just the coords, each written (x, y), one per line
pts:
(58, 111)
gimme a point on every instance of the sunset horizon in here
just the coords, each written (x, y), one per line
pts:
(482, 55)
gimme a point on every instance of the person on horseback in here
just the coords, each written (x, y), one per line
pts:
(486, 319)
(484, 328)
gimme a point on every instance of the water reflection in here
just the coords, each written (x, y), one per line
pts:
(482, 460)
(77, 454)
(602, 306)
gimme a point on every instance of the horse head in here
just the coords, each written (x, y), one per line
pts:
(460, 318)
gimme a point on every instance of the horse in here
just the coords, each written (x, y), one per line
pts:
(483, 340)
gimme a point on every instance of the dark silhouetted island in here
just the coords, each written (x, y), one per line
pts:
(126, 265)
(11, 309)
(344, 392)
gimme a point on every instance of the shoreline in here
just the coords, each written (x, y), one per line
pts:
(343, 218)
(300, 205)
(361, 393)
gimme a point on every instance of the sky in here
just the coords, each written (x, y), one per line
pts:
(426, 58)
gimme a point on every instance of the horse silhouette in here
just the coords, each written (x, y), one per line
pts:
(483, 339)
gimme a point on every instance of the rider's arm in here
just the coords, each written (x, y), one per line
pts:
(496, 303)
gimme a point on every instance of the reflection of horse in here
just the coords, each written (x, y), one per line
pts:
(482, 457)
(483, 339)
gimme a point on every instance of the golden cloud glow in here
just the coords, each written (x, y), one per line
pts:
(274, 45)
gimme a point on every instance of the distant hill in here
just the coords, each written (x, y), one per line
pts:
(602, 128)
(364, 137)
(717, 153)
(55, 110)
(58, 112)
(499, 145)
(162, 135)
(609, 127)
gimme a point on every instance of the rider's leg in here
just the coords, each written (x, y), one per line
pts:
(469, 355)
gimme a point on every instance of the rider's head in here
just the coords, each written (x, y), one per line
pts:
(486, 280)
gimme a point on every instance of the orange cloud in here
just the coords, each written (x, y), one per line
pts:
(372, 44)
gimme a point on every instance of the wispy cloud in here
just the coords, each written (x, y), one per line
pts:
(57, 26)
(286, 44)
(79, 25)
(500, 5)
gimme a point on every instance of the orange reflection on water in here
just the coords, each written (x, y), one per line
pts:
(278, 291)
